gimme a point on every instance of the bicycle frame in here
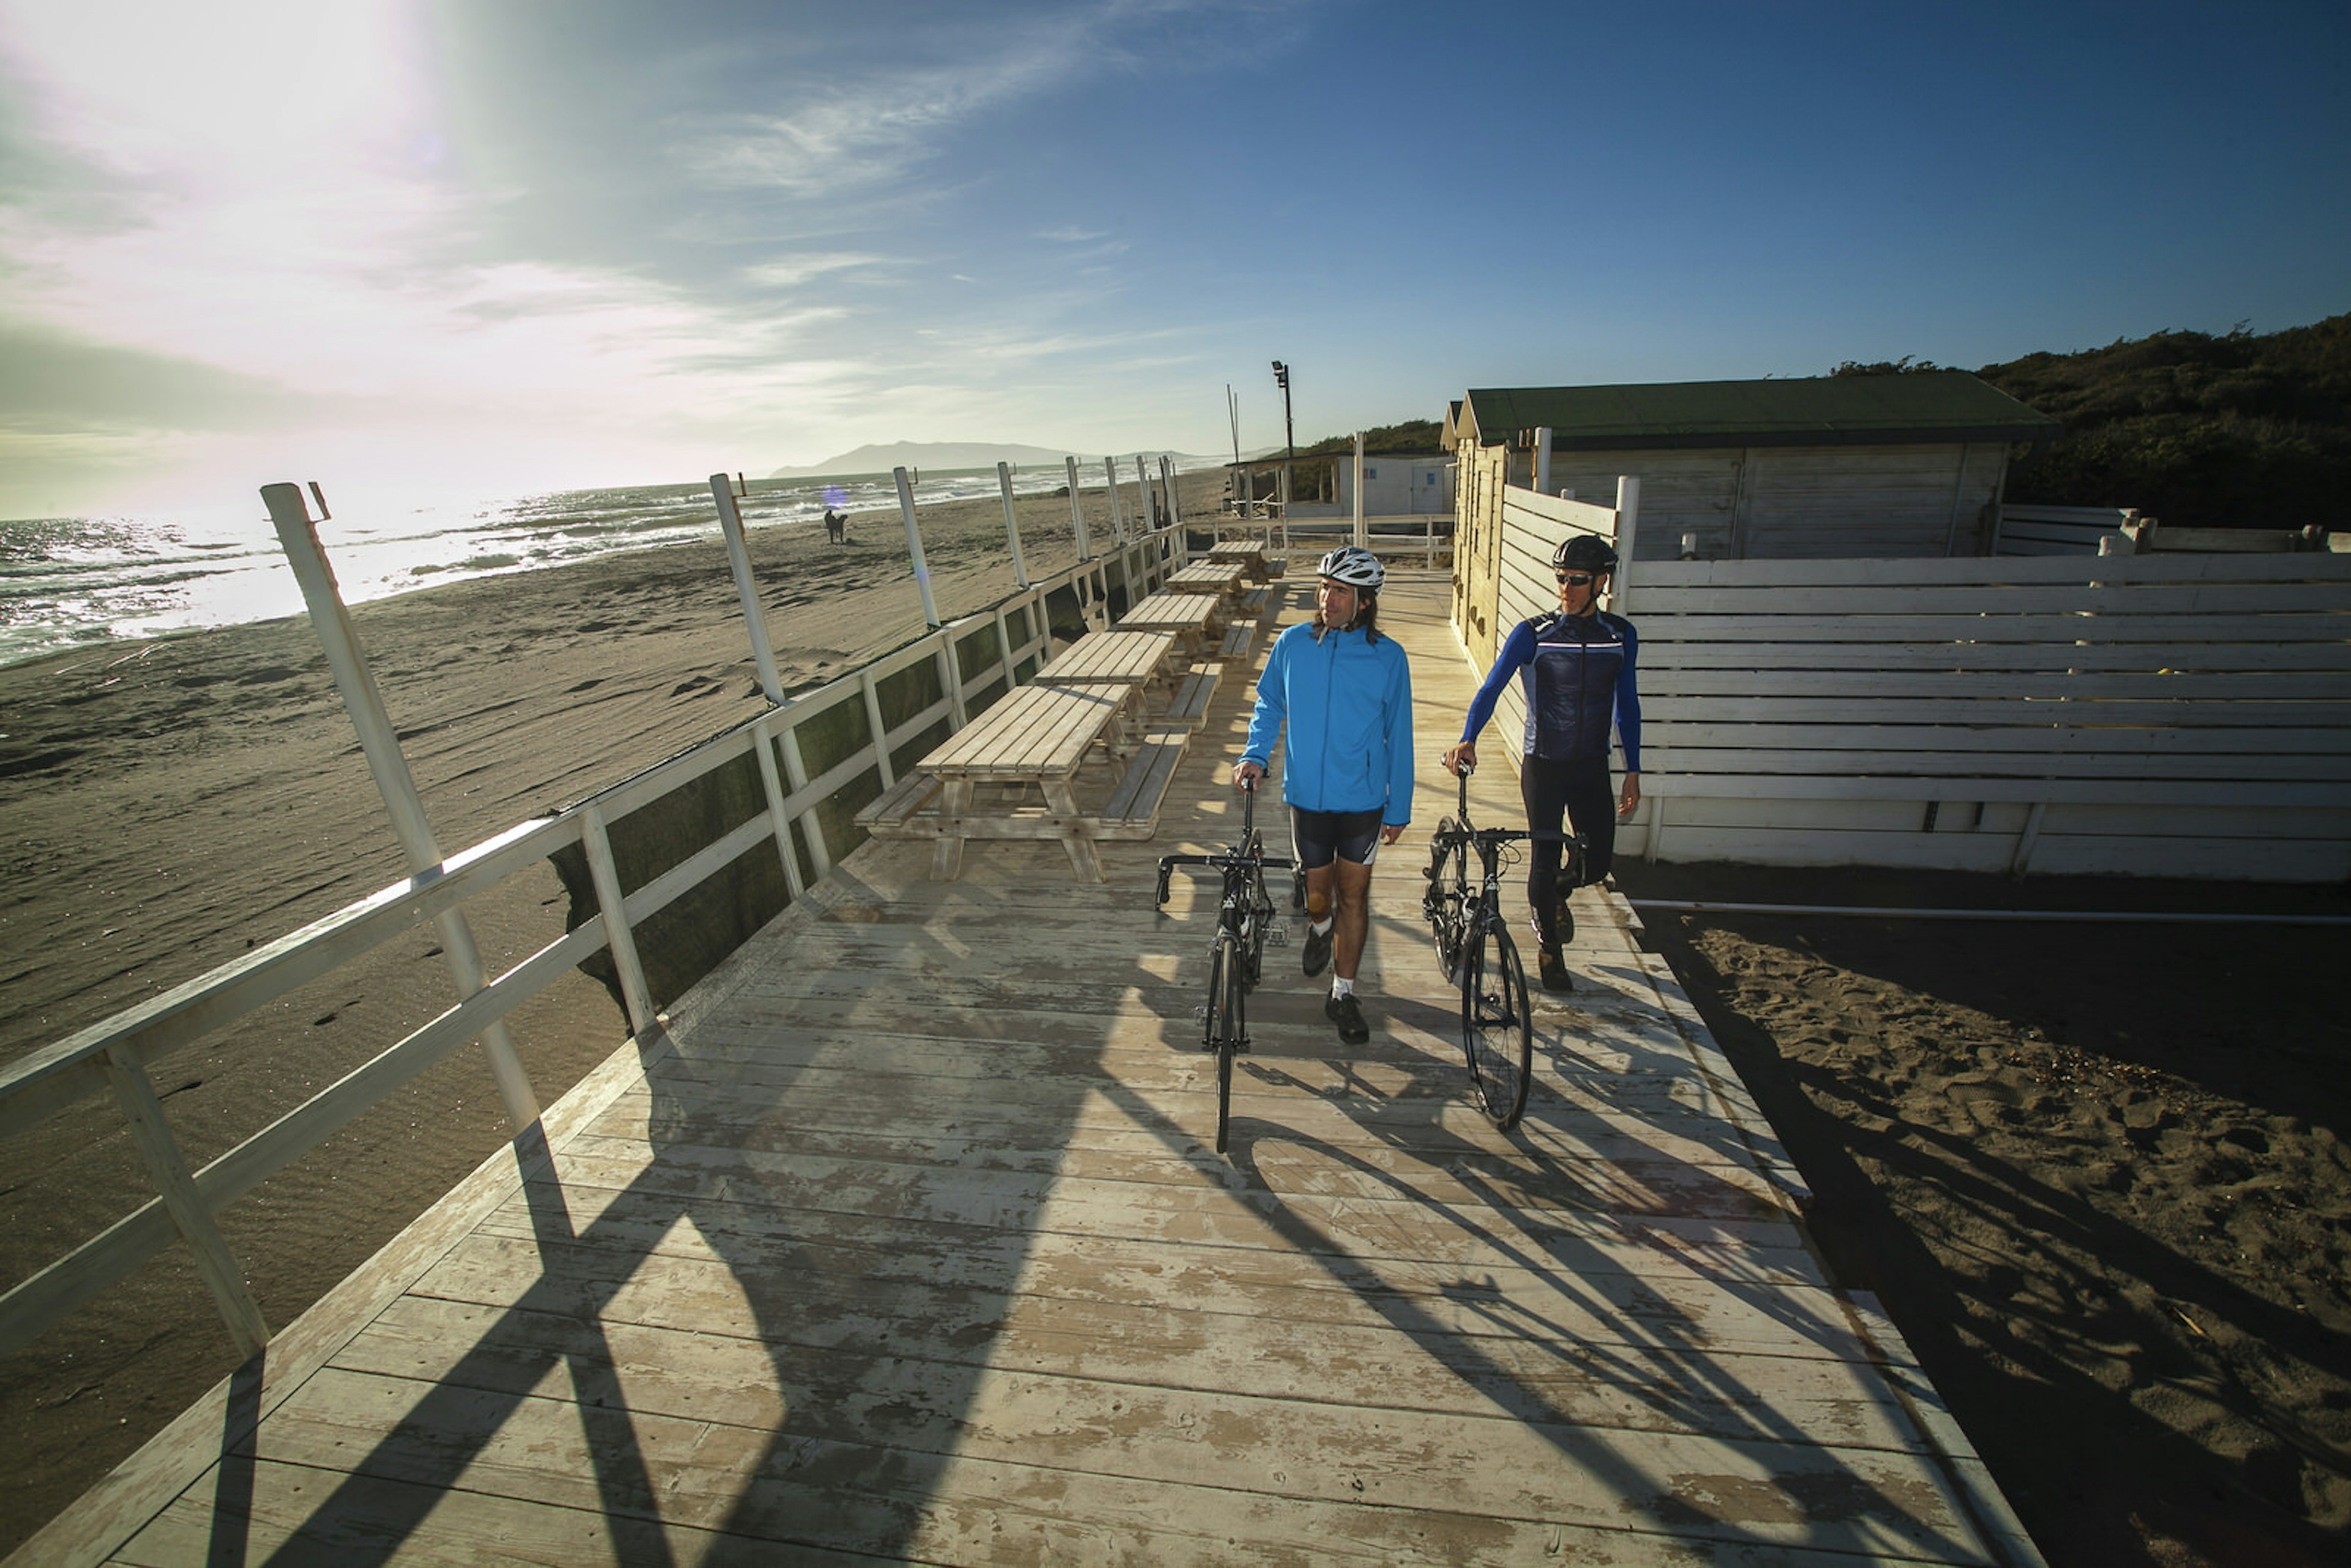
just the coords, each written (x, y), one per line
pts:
(1237, 951)
(1474, 947)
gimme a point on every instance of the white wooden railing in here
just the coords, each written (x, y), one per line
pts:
(116, 1055)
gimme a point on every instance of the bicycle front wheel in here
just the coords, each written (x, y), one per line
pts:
(1225, 1025)
(1497, 1024)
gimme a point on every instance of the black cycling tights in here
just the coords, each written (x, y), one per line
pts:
(1583, 793)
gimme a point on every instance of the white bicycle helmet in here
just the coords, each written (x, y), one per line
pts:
(1354, 566)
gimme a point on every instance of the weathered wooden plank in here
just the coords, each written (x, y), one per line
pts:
(794, 1368)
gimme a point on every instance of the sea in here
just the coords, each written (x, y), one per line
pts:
(79, 583)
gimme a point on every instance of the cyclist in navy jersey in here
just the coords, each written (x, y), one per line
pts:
(1575, 670)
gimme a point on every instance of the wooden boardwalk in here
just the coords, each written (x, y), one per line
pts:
(907, 1243)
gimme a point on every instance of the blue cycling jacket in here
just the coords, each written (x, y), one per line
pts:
(1576, 672)
(1348, 701)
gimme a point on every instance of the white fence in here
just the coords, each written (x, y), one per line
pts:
(2177, 715)
(818, 758)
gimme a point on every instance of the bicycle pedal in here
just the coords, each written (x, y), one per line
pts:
(1277, 936)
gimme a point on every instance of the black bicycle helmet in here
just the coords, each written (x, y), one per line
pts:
(1354, 566)
(1584, 552)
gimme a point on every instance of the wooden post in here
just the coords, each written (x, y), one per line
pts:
(795, 774)
(763, 742)
(1011, 524)
(380, 745)
(754, 619)
(2021, 862)
(1078, 512)
(620, 939)
(1145, 507)
(1117, 512)
(1362, 535)
(168, 1168)
(914, 548)
(1959, 494)
(1542, 460)
(872, 695)
(1628, 518)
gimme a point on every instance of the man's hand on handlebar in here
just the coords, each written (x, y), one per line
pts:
(1462, 759)
(1247, 772)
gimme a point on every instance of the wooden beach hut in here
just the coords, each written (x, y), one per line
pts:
(1899, 465)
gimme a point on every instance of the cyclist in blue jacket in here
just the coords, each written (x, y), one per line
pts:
(1576, 668)
(1347, 694)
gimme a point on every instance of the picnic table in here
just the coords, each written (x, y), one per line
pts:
(1193, 617)
(1116, 658)
(1248, 552)
(1221, 578)
(1032, 739)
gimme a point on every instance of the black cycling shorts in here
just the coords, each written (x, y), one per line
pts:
(1319, 837)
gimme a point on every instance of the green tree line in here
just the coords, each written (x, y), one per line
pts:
(2242, 430)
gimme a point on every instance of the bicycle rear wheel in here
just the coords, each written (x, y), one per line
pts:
(1497, 1024)
(1226, 1026)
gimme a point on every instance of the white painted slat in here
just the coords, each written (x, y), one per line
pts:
(2308, 567)
(1795, 786)
(2187, 599)
(2167, 630)
(2078, 764)
(2072, 708)
(2254, 687)
(2079, 733)
(1765, 657)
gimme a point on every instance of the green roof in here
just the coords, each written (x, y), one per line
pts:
(1922, 406)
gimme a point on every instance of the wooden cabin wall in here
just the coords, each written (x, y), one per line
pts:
(1801, 503)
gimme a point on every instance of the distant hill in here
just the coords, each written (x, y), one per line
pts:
(940, 455)
(2247, 430)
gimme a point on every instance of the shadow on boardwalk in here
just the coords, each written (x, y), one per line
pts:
(904, 1243)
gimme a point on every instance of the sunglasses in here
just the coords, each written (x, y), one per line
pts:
(1575, 579)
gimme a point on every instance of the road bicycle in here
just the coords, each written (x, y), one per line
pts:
(1237, 954)
(1473, 944)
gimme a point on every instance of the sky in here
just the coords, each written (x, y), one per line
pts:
(468, 247)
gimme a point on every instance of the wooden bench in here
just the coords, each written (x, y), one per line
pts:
(1240, 637)
(1253, 602)
(889, 814)
(1189, 705)
(1133, 810)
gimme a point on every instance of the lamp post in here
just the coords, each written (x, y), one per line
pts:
(1289, 435)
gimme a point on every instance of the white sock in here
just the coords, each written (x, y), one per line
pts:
(1321, 930)
(1340, 987)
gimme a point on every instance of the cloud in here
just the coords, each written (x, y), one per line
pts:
(792, 271)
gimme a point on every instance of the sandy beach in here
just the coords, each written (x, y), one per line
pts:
(2093, 1172)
